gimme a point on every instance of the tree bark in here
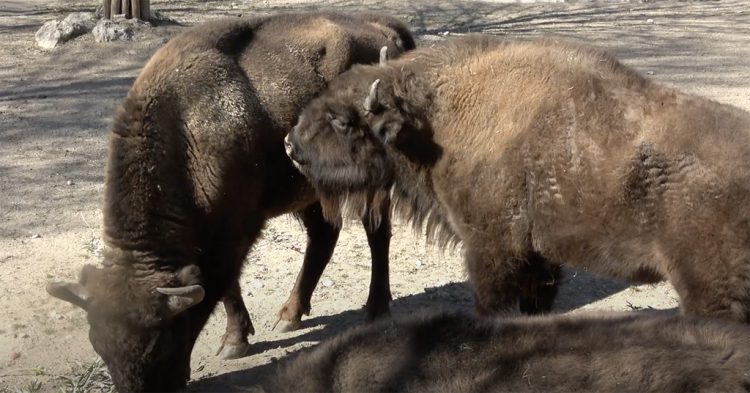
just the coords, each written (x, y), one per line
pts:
(139, 9)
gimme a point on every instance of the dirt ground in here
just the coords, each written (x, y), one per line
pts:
(56, 106)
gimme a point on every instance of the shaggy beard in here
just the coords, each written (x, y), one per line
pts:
(368, 206)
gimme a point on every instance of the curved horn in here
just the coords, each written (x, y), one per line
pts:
(383, 55)
(180, 299)
(70, 292)
(371, 101)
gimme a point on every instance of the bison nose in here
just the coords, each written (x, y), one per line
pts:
(288, 147)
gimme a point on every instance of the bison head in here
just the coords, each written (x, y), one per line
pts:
(140, 330)
(341, 141)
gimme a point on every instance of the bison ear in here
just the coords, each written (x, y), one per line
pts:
(387, 126)
(70, 292)
(339, 122)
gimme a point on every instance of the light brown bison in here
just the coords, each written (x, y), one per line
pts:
(534, 153)
(196, 167)
(617, 352)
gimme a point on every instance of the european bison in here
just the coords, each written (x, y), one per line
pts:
(606, 352)
(534, 153)
(196, 167)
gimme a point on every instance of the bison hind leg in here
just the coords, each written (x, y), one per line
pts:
(539, 282)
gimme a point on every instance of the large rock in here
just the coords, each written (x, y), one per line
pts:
(107, 30)
(82, 22)
(53, 33)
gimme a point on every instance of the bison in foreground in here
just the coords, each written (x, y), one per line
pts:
(604, 352)
(196, 166)
(535, 153)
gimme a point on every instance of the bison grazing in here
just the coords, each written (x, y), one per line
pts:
(196, 167)
(617, 352)
(535, 153)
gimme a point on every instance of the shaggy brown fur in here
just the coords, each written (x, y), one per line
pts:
(529, 152)
(618, 352)
(196, 167)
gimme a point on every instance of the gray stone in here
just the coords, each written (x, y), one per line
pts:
(52, 34)
(81, 22)
(107, 30)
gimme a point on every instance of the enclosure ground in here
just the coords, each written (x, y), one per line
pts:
(56, 106)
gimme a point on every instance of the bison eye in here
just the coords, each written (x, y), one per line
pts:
(340, 123)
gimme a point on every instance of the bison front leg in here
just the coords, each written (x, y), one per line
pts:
(494, 280)
(321, 240)
(234, 344)
(379, 240)
(540, 279)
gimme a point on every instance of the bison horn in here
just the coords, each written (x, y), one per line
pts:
(70, 292)
(383, 55)
(372, 98)
(180, 299)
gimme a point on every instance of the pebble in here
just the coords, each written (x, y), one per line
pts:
(23, 335)
(419, 263)
(328, 283)
(650, 72)
(650, 21)
(15, 355)
(36, 236)
(55, 315)
(70, 182)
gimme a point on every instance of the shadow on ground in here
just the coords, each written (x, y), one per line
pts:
(578, 288)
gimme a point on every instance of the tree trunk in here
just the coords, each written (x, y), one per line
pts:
(139, 9)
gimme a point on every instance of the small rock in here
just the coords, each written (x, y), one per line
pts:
(23, 335)
(70, 182)
(418, 263)
(36, 236)
(258, 285)
(650, 72)
(445, 33)
(15, 355)
(328, 283)
(650, 21)
(107, 31)
(55, 315)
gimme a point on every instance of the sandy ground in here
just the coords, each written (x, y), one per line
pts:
(56, 106)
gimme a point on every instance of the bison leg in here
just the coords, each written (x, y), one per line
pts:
(234, 344)
(495, 282)
(321, 240)
(539, 282)
(379, 240)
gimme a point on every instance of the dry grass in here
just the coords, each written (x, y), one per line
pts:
(83, 378)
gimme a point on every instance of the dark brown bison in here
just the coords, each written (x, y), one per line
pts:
(534, 153)
(196, 167)
(617, 352)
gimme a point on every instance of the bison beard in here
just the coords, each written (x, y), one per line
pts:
(589, 352)
(196, 167)
(537, 153)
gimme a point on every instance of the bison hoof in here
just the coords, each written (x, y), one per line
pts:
(230, 352)
(286, 326)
